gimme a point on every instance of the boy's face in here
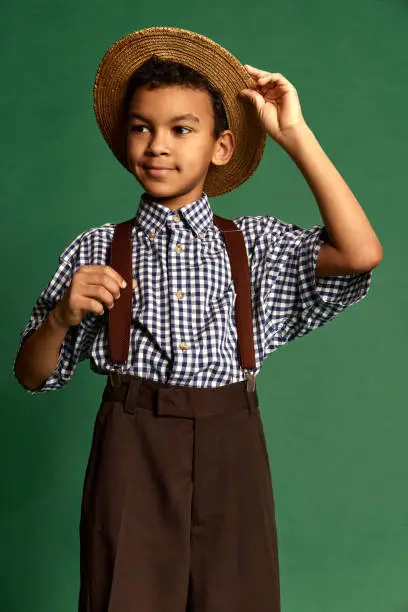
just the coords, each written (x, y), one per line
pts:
(172, 127)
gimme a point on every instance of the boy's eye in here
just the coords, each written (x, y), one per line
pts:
(138, 128)
(181, 127)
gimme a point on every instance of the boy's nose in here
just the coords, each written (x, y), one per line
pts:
(158, 145)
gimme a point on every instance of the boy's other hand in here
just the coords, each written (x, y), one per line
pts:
(92, 287)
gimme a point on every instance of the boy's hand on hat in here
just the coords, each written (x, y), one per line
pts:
(92, 288)
(276, 101)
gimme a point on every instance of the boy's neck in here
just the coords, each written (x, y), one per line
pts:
(177, 202)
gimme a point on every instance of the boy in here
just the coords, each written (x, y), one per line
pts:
(178, 509)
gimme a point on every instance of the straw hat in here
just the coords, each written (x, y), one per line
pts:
(222, 70)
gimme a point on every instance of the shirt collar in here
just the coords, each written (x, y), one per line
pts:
(152, 216)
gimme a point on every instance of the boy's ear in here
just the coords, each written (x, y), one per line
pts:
(224, 148)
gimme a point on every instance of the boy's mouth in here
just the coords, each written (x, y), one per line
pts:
(157, 170)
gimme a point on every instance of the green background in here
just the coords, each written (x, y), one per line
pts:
(333, 402)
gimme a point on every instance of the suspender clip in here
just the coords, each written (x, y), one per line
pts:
(251, 382)
(114, 376)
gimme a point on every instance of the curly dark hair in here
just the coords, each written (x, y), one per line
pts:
(156, 72)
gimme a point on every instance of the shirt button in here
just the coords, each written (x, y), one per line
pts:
(180, 295)
(183, 346)
(176, 218)
(179, 248)
(152, 235)
(201, 235)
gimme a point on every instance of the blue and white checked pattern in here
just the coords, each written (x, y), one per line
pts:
(183, 309)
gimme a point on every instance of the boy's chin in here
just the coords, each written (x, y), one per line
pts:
(154, 186)
(160, 191)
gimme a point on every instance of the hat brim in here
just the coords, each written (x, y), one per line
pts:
(209, 58)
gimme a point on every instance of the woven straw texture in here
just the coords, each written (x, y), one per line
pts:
(222, 70)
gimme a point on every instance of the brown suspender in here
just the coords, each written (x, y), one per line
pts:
(119, 320)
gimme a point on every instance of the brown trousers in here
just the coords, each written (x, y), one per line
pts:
(177, 510)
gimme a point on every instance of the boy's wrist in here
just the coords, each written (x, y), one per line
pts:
(56, 323)
(295, 137)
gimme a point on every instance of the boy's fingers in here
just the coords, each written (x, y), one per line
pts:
(256, 71)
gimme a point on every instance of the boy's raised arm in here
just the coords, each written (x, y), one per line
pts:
(353, 246)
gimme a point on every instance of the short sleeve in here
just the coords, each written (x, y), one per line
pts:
(296, 300)
(331, 292)
(78, 340)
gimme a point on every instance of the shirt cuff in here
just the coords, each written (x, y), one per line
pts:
(56, 378)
